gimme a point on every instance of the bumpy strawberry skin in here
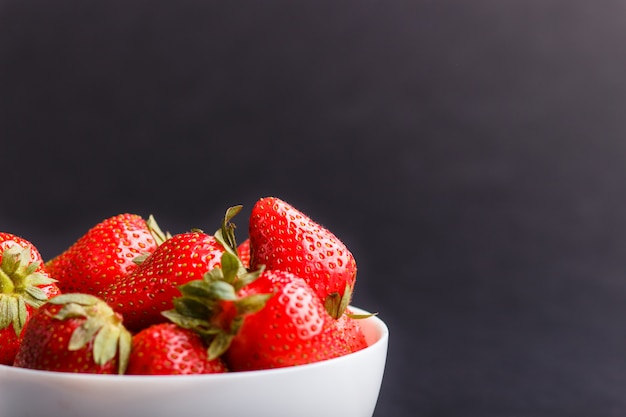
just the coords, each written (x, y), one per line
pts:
(167, 349)
(243, 251)
(284, 238)
(351, 331)
(293, 328)
(104, 254)
(142, 295)
(75, 333)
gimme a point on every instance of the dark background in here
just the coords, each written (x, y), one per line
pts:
(470, 153)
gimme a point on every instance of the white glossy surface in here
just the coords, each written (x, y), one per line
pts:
(347, 386)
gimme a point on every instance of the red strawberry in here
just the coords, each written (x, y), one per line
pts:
(168, 349)
(24, 286)
(292, 329)
(283, 238)
(75, 333)
(243, 251)
(349, 328)
(261, 321)
(105, 253)
(142, 295)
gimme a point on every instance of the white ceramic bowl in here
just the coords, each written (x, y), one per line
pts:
(347, 386)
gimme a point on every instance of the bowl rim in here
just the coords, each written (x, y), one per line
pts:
(377, 323)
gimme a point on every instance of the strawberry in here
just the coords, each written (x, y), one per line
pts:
(106, 253)
(149, 290)
(243, 251)
(143, 294)
(283, 238)
(293, 328)
(261, 320)
(75, 333)
(24, 286)
(348, 326)
(168, 349)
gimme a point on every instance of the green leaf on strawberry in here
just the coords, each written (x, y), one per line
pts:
(101, 325)
(75, 332)
(24, 286)
(143, 294)
(226, 233)
(203, 300)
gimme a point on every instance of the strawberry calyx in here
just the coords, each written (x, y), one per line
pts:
(212, 307)
(101, 325)
(20, 278)
(336, 304)
(156, 232)
(226, 233)
(158, 235)
(360, 316)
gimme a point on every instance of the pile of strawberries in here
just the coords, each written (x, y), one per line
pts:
(127, 298)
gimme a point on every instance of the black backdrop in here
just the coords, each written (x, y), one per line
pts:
(471, 153)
